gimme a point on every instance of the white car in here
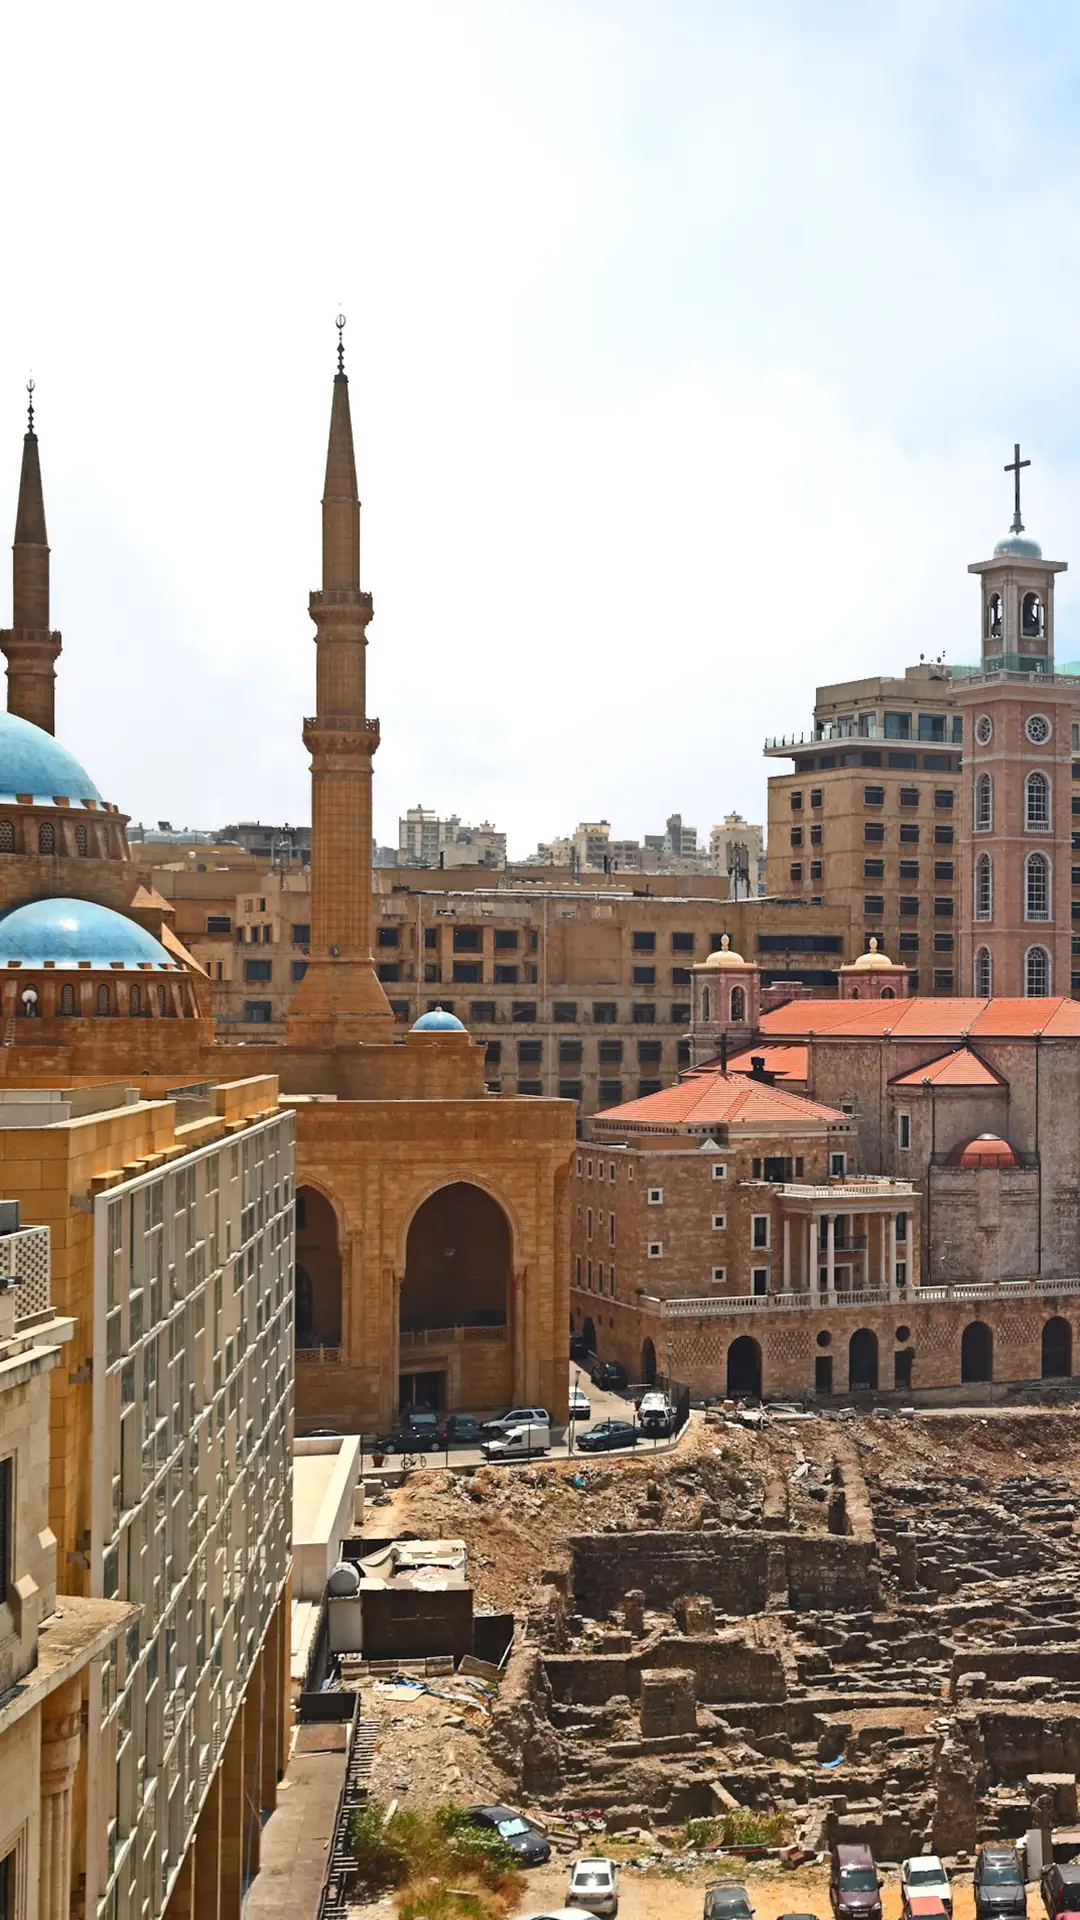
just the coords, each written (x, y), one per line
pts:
(580, 1408)
(922, 1877)
(594, 1885)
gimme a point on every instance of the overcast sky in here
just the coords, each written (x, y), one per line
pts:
(687, 340)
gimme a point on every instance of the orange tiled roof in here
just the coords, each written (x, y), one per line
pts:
(961, 1068)
(924, 1018)
(791, 1063)
(707, 1098)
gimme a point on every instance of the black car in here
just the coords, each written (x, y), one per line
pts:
(463, 1430)
(608, 1434)
(417, 1431)
(609, 1374)
(1061, 1888)
(579, 1347)
(999, 1884)
(727, 1900)
(523, 1839)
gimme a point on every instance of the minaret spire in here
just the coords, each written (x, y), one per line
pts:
(340, 999)
(30, 648)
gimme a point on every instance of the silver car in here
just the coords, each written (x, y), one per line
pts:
(594, 1885)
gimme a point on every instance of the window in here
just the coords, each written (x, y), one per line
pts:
(943, 980)
(816, 796)
(506, 939)
(258, 969)
(467, 972)
(604, 1013)
(493, 1058)
(1038, 729)
(1037, 803)
(656, 1196)
(909, 833)
(257, 1011)
(569, 1089)
(431, 936)
(530, 1052)
(388, 970)
(931, 726)
(610, 1053)
(67, 999)
(943, 943)
(898, 726)
(656, 1249)
(569, 1053)
(82, 844)
(903, 1131)
(46, 837)
(682, 943)
(215, 922)
(943, 797)
(468, 939)
(873, 796)
(439, 1006)
(873, 904)
(1037, 888)
(643, 942)
(610, 1093)
(384, 936)
(530, 1086)
(300, 967)
(837, 1166)
(796, 836)
(505, 976)
(815, 869)
(719, 1171)
(908, 943)
(795, 871)
(719, 1275)
(815, 836)
(7, 837)
(650, 1052)
(647, 1087)
(719, 1221)
(909, 906)
(873, 869)
(564, 1013)
(943, 907)
(267, 935)
(643, 1013)
(943, 870)
(983, 981)
(909, 869)
(984, 803)
(796, 801)
(943, 836)
(760, 1279)
(1036, 972)
(482, 1011)
(759, 1230)
(644, 976)
(523, 1011)
(873, 830)
(909, 796)
(681, 976)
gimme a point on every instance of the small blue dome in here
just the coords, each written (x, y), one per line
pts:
(1019, 547)
(67, 931)
(31, 761)
(437, 1021)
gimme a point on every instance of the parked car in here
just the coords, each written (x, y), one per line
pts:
(610, 1375)
(417, 1431)
(519, 1443)
(579, 1404)
(922, 1877)
(998, 1883)
(594, 1884)
(463, 1430)
(608, 1434)
(527, 1841)
(515, 1417)
(656, 1413)
(579, 1347)
(727, 1900)
(1061, 1888)
(797, 1916)
(925, 1906)
(854, 1887)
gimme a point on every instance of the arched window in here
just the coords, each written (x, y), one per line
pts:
(1036, 973)
(1037, 802)
(1037, 887)
(984, 887)
(163, 1002)
(135, 999)
(705, 1014)
(67, 998)
(993, 617)
(104, 999)
(887, 993)
(984, 974)
(984, 803)
(738, 1004)
(7, 836)
(46, 838)
(82, 842)
(1031, 617)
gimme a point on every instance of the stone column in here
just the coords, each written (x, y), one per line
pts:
(883, 1232)
(207, 1850)
(60, 1726)
(787, 1254)
(866, 1251)
(518, 1334)
(830, 1254)
(892, 1253)
(811, 1251)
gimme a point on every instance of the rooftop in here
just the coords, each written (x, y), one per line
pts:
(923, 1018)
(706, 1097)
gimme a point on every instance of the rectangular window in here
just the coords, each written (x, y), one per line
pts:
(909, 833)
(439, 1006)
(219, 923)
(384, 936)
(719, 1221)
(943, 798)
(816, 796)
(604, 1013)
(943, 836)
(837, 1166)
(257, 1012)
(903, 1131)
(505, 976)
(506, 939)
(530, 1086)
(468, 939)
(524, 1011)
(656, 1249)
(796, 836)
(387, 969)
(569, 1053)
(873, 869)
(931, 726)
(564, 1013)
(610, 1093)
(482, 1011)
(643, 942)
(759, 1230)
(873, 796)
(644, 976)
(909, 869)
(873, 904)
(493, 1058)
(656, 1196)
(650, 1052)
(815, 836)
(943, 908)
(873, 831)
(569, 1089)
(898, 726)
(467, 972)
(943, 943)
(610, 1053)
(909, 906)
(681, 976)
(795, 871)
(680, 1015)
(300, 967)
(760, 1279)
(682, 943)
(943, 979)
(258, 969)
(647, 1087)
(399, 1008)
(7, 1526)
(643, 1014)
(909, 796)
(943, 869)
(719, 1171)
(431, 936)
(815, 869)
(530, 1053)
(796, 801)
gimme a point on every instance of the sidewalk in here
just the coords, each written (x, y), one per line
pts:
(297, 1835)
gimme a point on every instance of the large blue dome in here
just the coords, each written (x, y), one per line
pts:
(437, 1021)
(67, 931)
(31, 761)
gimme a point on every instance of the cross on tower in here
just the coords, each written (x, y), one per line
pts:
(1013, 466)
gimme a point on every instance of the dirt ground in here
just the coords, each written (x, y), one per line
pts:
(678, 1896)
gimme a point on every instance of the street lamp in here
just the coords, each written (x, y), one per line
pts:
(573, 1411)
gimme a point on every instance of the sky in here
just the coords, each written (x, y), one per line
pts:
(687, 341)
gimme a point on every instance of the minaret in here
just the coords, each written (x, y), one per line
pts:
(29, 646)
(340, 998)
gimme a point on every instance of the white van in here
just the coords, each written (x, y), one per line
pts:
(520, 1443)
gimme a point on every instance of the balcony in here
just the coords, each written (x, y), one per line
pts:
(24, 1256)
(710, 1306)
(411, 1339)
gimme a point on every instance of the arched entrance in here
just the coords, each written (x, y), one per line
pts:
(744, 1367)
(589, 1335)
(977, 1352)
(863, 1361)
(318, 1271)
(648, 1363)
(1056, 1349)
(455, 1333)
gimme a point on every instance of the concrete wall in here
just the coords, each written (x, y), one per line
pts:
(739, 1573)
(325, 1477)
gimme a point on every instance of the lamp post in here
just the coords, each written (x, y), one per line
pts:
(573, 1412)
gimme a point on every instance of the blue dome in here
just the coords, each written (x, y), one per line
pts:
(437, 1021)
(67, 931)
(31, 761)
(1019, 547)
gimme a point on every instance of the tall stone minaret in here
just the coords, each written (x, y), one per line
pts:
(340, 998)
(29, 646)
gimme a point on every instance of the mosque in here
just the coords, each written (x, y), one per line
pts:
(432, 1218)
